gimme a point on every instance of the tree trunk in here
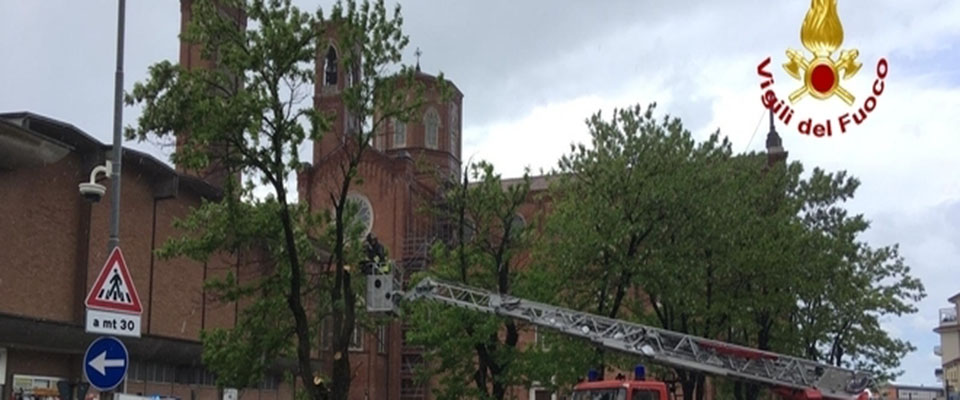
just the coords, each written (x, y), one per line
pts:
(295, 304)
(343, 316)
(341, 375)
(701, 386)
(688, 385)
(600, 362)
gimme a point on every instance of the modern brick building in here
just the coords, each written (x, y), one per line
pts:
(53, 244)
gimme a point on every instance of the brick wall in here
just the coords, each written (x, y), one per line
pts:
(41, 234)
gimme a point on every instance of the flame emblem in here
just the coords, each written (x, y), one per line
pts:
(822, 34)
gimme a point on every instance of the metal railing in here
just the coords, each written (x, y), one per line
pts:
(948, 316)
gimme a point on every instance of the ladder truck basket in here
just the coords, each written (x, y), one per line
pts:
(380, 292)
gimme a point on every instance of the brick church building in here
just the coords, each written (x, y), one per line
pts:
(394, 186)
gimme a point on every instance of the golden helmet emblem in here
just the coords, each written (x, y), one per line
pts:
(822, 34)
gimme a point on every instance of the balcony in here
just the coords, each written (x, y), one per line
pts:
(948, 316)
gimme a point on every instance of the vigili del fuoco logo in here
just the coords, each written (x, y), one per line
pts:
(821, 75)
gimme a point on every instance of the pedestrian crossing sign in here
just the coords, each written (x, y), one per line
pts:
(114, 290)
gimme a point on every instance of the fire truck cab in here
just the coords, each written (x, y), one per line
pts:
(620, 389)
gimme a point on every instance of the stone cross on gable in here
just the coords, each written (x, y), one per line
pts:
(418, 53)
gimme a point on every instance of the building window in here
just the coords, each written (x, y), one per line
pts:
(382, 338)
(326, 335)
(399, 133)
(363, 213)
(469, 229)
(134, 372)
(270, 382)
(154, 372)
(453, 128)
(330, 67)
(169, 373)
(353, 124)
(209, 379)
(431, 123)
(517, 224)
(326, 338)
(186, 375)
(353, 74)
(540, 339)
(150, 372)
(542, 394)
(356, 340)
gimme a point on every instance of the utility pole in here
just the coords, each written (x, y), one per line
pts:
(117, 135)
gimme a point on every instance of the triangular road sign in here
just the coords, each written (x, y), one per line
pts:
(114, 290)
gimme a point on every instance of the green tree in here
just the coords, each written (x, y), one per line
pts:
(840, 324)
(816, 290)
(648, 224)
(624, 209)
(248, 116)
(472, 354)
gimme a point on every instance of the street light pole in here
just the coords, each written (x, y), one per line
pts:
(117, 135)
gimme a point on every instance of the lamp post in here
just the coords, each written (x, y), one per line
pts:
(93, 191)
(117, 135)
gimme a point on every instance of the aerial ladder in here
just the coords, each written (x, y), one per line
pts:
(792, 377)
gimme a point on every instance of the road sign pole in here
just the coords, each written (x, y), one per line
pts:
(66, 390)
(101, 364)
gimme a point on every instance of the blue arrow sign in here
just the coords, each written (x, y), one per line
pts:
(105, 363)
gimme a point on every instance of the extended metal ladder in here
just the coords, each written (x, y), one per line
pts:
(808, 378)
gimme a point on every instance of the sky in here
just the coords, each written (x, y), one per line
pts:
(533, 71)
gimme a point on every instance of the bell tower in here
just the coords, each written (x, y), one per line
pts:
(775, 152)
(191, 58)
(433, 133)
(334, 76)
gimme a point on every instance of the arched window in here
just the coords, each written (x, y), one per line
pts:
(517, 224)
(330, 67)
(469, 230)
(454, 126)
(363, 213)
(399, 133)
(431, 123)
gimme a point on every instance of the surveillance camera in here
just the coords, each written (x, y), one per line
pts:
(93, 192)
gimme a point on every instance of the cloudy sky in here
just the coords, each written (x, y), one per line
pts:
(533, 71)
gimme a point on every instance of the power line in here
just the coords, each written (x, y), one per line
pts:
(759, 121)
